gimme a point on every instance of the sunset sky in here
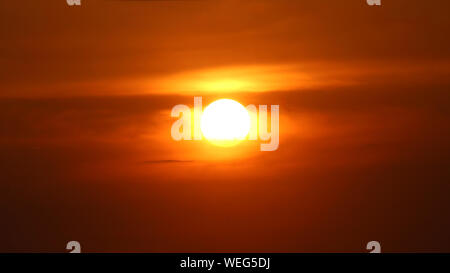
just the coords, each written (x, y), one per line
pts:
(86, 152)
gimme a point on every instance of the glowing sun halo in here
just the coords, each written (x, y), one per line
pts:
(225, 122)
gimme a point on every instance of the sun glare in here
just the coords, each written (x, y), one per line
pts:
(225, 122)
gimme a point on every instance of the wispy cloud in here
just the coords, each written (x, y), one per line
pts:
(166, 161)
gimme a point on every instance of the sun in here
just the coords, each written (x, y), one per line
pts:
(225, 122)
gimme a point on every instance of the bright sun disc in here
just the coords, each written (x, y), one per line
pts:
(225, 122)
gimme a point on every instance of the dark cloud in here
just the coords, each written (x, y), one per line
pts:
(166, 161)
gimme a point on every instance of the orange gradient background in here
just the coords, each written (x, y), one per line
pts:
(86, 152)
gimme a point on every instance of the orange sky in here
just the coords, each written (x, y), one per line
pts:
(141, 47)
(85, 146)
